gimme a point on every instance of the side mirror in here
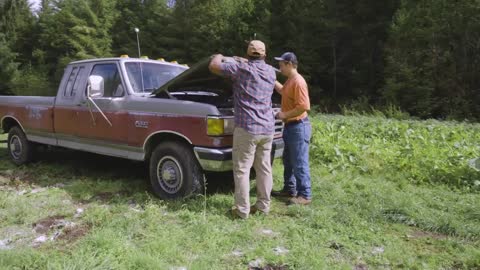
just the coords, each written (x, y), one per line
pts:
(95, 86)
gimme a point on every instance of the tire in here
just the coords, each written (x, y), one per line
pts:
(19, 148)
(222, 182)
(175, 172)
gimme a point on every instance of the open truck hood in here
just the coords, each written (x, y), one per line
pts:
(198, 77)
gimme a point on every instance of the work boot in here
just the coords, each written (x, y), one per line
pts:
(299, 201)
(235, 214)
(282, 194)
(254, 210)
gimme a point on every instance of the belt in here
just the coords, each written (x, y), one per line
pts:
(294, 122)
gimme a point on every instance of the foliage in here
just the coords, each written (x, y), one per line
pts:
(431, 152)
(432, 59)
(418, 56)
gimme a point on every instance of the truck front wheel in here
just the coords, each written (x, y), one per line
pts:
(19, 148)
(175, 172)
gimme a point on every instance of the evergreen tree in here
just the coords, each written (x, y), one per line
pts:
(8, 66)
(152, 17)
(74, 30)
(17, 24)
(433, 52)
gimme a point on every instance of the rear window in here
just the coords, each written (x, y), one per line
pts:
(73, 82)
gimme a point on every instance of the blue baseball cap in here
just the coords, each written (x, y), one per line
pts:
(288, 57)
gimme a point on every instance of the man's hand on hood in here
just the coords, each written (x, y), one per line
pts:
(215, 64)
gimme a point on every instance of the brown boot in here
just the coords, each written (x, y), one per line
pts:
(235, 214)
(254, 210)
(299, 201)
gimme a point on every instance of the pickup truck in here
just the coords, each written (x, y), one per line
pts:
(177, 119)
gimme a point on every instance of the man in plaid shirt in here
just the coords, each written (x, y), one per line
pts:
(253, 85)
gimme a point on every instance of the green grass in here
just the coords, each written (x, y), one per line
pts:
(387, 195)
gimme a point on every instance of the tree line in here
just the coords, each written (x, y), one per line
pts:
(421, 56)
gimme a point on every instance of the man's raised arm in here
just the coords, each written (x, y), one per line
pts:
(215, 64)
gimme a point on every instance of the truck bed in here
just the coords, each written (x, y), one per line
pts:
(34, 113)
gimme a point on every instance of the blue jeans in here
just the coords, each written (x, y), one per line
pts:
(296, 173)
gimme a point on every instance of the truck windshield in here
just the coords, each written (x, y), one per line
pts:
(146, 77)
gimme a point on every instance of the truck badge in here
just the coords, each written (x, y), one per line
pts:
(141, 124)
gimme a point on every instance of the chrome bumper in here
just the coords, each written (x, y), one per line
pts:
(220, 160)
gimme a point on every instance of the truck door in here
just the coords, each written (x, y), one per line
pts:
(92, 126)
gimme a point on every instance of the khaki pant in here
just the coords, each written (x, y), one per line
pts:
(248, 150)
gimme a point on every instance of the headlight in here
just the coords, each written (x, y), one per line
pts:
(219, 126)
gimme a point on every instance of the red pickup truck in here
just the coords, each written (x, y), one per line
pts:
(178, 119)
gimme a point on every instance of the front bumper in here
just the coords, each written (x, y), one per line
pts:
(220, 160)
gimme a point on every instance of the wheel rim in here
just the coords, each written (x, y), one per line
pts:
(169, 174)
(16, 147)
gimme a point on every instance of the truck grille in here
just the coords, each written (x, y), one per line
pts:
(278, 123)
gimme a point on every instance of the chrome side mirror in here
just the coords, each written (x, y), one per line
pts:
(95, 86)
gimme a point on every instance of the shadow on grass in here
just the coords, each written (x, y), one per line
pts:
(80, 173)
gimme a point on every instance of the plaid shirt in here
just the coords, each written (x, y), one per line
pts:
(253, 85)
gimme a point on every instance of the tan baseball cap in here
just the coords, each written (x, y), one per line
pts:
(256, 48)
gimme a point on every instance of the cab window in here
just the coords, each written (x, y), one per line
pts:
(112, 84)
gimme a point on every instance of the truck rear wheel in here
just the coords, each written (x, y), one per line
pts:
(175, 172)
(19, 148)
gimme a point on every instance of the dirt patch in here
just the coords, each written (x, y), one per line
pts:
(335, 245)
(360, 266)
(106, 196)
(270, 267)
(267, 232)
(416, 234)
(21, 177)
(57, 228)
(4, 180)
(103, 196)
(44, 225)
(73, 233)
(16, 178)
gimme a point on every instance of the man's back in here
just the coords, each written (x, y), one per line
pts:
(253, 85)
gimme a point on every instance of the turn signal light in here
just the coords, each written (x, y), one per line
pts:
(220, 126)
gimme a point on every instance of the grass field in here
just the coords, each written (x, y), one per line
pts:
(388, 194)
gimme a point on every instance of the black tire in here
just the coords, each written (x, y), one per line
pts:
(19, 148)
(222, 182)
(175, 172)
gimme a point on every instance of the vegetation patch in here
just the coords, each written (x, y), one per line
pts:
(379, 202)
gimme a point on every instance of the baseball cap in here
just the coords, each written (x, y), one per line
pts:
(288, 57)
(256, 48)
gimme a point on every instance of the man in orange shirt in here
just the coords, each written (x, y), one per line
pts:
(297, 132)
